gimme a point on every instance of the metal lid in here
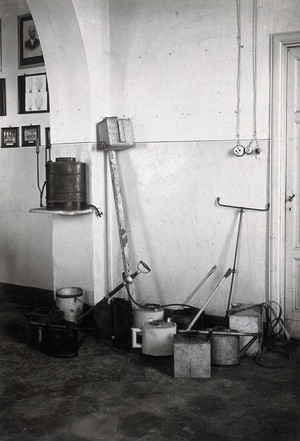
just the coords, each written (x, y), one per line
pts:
(66, 159)
(159, 324)
(69, 292)
(152, 307)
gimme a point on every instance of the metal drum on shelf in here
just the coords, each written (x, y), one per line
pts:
(66, 184)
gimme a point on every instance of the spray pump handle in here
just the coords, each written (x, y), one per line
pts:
(139, 270)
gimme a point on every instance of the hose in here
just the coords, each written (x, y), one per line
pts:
(162, 306)
(273, 321)
(132, 299)
(179, 304)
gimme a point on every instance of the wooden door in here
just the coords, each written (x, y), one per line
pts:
(292, 213)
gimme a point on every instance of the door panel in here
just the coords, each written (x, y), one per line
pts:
(292, 273)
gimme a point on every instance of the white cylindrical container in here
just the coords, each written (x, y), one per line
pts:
(146, 314)
(68, 300)
(157, 338)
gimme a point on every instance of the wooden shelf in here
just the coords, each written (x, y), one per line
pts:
(61, 212)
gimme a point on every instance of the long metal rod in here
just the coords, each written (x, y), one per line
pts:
(222, 332)
(199, 285)
(227, 274)
(242, 208)
(37, 150)
(235, 258)
(123, 237)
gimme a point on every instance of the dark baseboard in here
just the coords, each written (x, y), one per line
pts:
(25, 295)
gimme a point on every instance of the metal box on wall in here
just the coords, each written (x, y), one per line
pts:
(115, 133)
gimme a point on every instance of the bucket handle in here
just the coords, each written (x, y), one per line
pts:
(247, 346)
(134, 342)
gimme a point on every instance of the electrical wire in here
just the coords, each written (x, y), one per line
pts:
(239, 149)
(254, 141)
(238, 79)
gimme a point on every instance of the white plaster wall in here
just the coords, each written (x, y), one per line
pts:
(174, 66)
(75, 47)
(78, 68)
(170, 192)
(26, 239)
(171, 67)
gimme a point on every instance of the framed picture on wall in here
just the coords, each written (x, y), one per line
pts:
(10, 137)
(30, 135)
(2, 97)
(30, 51)
(33, 93)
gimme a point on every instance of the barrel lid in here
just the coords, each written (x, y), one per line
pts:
(159, 324)
(146, 309)
(152, 307)
(69, 292)
(66, 159)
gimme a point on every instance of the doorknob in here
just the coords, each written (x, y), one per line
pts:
(290, 198)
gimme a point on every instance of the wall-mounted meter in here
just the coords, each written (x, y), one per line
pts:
(115, 133)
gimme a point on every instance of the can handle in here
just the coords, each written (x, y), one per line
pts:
(134, 332)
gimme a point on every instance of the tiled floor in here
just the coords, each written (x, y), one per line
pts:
(105, 394)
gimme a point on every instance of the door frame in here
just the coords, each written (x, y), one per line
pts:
(280, 43)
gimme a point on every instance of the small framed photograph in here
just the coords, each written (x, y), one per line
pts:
(30, 135)
(30, 51)
(47, 137)
(10, 137)
(2, 97)
(33, 93)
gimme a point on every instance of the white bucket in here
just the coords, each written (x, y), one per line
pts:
(157, 338)
(68, 300)
(146, 314)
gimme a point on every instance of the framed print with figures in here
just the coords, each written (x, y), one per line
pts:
(10, 137)
(33, 93)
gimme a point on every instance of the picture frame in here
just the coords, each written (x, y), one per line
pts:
(2, 97)
(30, 51)
(33, 93)
(10, 137)
(30, 135)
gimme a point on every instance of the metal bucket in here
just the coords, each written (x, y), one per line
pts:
(225, 349)
(68, 300)
(66, 184)
(61, 343)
